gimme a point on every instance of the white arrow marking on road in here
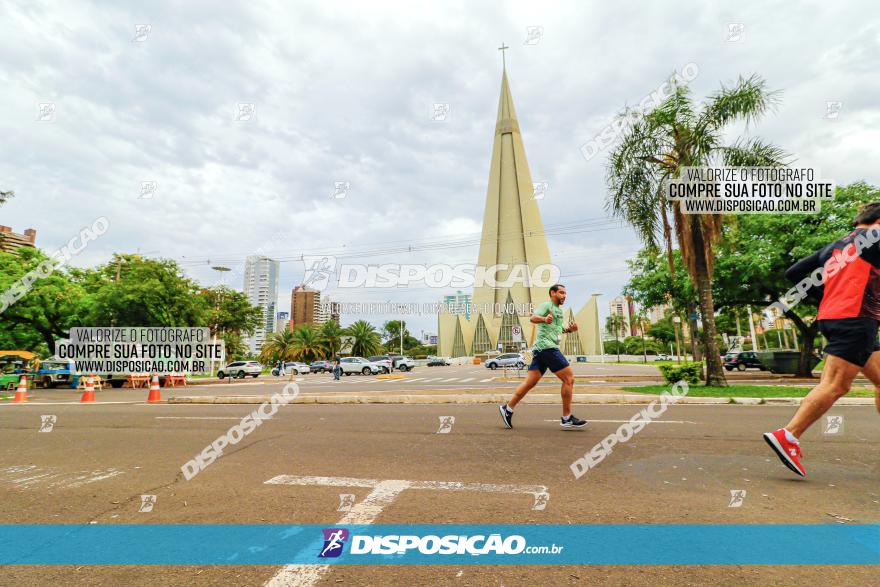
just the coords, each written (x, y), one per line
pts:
(384, 492)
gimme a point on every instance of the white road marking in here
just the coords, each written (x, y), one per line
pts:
(72, 402)
(196, 418)
(450, 379)
(468, 379)
(30, 475)
(638, 421)
(487, 380)
(384, 493)
(231, 384)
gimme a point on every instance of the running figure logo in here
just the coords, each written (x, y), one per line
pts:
(540, 501)
(446, 423)
(737, 497)
(47, 423)
(147, 503)
(334, 540)
(318, 269)
(833, 424)
(346, 500)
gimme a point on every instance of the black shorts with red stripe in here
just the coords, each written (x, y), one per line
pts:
(851, 339)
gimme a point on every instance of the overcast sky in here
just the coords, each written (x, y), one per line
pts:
(343, 92)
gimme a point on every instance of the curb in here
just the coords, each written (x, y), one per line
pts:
(581, 398)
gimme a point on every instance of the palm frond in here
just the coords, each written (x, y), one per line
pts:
(753, 153)
(747, 100)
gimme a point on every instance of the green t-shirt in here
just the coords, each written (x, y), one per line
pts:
(548, 334)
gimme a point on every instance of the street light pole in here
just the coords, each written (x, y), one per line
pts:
(676, 320)
(220, 270)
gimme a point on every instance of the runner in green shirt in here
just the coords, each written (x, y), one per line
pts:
(546, 353)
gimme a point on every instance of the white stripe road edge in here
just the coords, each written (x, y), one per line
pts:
(366, 512)
(637, 421)
(73, 402)
(196, 418)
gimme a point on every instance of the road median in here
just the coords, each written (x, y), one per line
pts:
(495, 398)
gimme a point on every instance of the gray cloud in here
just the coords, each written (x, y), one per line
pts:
(343, 93)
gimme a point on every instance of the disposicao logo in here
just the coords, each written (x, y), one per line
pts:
(334, 540)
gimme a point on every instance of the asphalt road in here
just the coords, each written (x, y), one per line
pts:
(99, 459)
(591, 378)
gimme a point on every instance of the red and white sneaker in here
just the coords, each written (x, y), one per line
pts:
(788, 452)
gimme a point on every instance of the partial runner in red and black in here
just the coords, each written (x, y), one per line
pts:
(849, 314)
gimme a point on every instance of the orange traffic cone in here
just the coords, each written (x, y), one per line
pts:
(88, 395)
(21, 392)
(154, 396)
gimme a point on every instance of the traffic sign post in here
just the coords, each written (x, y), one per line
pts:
(517, 333)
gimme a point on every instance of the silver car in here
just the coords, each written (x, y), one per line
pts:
(506, 360)
(359, 365)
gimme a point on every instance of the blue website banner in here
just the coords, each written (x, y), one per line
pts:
(423, 544)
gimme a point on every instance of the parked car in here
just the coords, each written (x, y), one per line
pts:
(662, 357)
(506, 360)
(384, 362)
(742, 361)
(401, 363)
(404, 364)
(241, 369)
(52, 373)
(321, 366)
(359, 365)
(438, 362)
(294, 367)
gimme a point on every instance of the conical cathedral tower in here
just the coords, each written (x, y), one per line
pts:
(513, 238)
(513, 233)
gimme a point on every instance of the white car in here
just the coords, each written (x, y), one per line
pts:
(383, 361)
(241, 369)
(294, 367)
(359, 365)
(402, 363)
(506, 360)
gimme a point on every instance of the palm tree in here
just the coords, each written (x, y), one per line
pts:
(641, 320)
(279, 346)
(366, 339)
(332, 333)
(308, 344)
(654, 148)
(614, 324)
(5, 196)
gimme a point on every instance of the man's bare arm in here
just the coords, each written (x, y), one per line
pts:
(535, 319)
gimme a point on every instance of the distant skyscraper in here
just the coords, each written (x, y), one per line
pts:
(308, 307)
(622, 306)
(282, 321)
(657, 313)
(261, 289)
(459, 304)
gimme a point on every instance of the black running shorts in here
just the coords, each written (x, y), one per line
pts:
(851, 339)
